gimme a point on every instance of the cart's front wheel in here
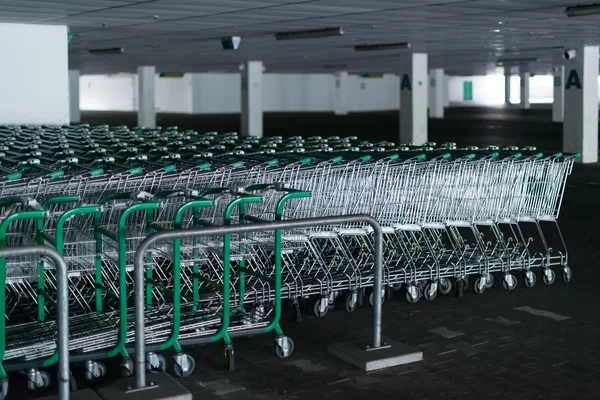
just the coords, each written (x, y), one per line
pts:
(445, 286)
(281, 353)
(548, 276)
(184, 365)
(3, 388)
(567, 274)
(126, 368)
(530, 279)
(229, 359)
(94, 371)
(350, 303)
(38, 381)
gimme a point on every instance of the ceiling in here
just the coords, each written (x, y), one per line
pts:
(462, 36)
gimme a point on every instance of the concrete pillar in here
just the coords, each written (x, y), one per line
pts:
(413, 98)
(437, 84)
(146, 107)
(507, 88)
(558, 105)
(34, 77)
(252, 107)
(525, 90)
(340, 90)
(446, 91)
(580, 129)
(74, 112)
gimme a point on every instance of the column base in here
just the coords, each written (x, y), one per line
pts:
(392, 354)
(161, 386)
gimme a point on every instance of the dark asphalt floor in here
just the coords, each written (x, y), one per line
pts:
(530, 343)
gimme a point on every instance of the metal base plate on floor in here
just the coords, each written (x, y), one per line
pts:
(393, 353)
(84, 394)
(161, 386)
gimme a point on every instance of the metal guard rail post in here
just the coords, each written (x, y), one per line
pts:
(62, 305)
(140, 352)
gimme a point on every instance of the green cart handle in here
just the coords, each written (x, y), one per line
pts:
(60, 199)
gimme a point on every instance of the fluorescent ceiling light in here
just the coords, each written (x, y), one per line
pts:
(382, 46)
(582, 10)
(516, 60)
(309, 34)
(111, 50)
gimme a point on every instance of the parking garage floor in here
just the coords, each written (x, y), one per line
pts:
(540, 342)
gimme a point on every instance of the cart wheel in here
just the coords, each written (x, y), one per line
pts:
(296, 312)
(38, 381)
(72, 383)
(349, 303)
(548, 276)
(279, 350)
(388, 293)
(480, 285)
(567, 274)
(229, 359)
(361, 297)
(445, 286)
(460, 287)
(126, 368)
(530, 279)
(4, 388)
(413, 294)
(396, 287)
(94, 371)
(489, 281)
(156, 363)
(509, 282)
(182, 372)
(428, 293)
(317, 309)
(372, 299)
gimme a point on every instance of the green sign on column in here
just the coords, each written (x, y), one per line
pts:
(467, 90)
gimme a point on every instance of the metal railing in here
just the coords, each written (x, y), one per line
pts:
(140, 352)
(62, 307)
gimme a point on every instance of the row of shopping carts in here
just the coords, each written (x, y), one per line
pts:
(94, 193)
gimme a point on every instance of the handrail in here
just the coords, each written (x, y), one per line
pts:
(140, 352)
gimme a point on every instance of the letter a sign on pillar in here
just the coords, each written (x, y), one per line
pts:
(414, 79)
(580, 127)
(405, 83)
(573, 80)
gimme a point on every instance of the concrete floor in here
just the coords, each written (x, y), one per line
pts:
(480, 346)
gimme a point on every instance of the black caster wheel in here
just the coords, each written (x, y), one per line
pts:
(229, 359)
(317, 308)
(296, 312)
(349, 303)
(185, 370)
(530, 279)
(38, 381)
(445, 286)
(95, 371)
(290, 348)
(480, 285)
(548, 276)
(509, 282)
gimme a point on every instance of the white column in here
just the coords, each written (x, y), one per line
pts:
(436, 83)
(252, 106)
(580, 129)
(558, 105)
(525, 90)
(446, 91)
(413, 98)
(340, 90)
(74, 112)
(507, 88)
(34, 77)
(146, 107)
